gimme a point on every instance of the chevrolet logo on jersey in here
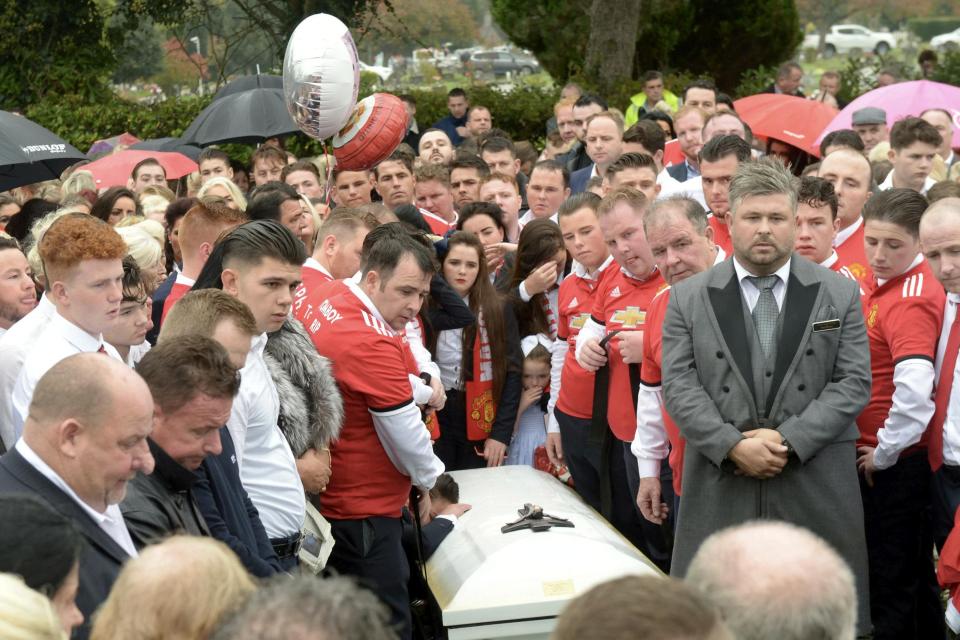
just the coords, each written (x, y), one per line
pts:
(577, 322)
(629, 318)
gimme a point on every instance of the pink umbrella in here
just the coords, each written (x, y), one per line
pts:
(904, 99)
(115, 169)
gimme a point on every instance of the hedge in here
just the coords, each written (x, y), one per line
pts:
(522, 112)
(927, 28)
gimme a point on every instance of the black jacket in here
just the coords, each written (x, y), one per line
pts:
(159, 298)
(100, 558)
(230, 514)
(162, 503)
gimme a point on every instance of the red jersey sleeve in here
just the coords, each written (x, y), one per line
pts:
(650, 374)
(912, 328)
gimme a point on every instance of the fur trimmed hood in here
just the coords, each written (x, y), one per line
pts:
(311, 409)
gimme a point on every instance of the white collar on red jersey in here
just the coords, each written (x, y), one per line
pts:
(627, 273)
(913, 265)
(184, 280)
(367, 302)
(721, 256)
(844, 234)
(581, 271)
(313, 263)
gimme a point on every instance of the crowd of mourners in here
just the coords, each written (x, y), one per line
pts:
(229, 403)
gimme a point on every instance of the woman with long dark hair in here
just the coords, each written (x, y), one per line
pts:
(540, 265)
(479, 365)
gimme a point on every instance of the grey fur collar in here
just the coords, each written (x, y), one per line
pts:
(311, 410)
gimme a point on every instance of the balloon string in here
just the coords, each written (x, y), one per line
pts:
(328, 162)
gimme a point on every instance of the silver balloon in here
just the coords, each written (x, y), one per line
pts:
(321, 75)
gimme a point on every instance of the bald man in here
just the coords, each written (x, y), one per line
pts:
(940, 244)
(84, 437)
(849, 173)
(743, 570)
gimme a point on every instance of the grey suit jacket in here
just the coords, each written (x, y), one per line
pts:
(819, 384)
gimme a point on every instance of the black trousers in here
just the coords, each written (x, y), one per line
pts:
(583, 458)
(946, 498)
(371, 550)
(452, 447)
(659, 537)
(904, 596)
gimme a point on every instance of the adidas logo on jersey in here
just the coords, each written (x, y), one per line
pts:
(573, 303)
(913, 286)
(376, 324)
(615, 293)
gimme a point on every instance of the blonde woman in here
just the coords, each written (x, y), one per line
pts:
(26, 614)
(143, 244)
(224, 188)
(78, 181)
(180, 589)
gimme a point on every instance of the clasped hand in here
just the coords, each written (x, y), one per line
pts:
(761, 454)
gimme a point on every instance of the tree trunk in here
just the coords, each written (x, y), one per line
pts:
(613, 39)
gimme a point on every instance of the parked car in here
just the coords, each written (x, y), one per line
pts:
(844, 38)
(501, 62)
(945, 41)
(383, 73)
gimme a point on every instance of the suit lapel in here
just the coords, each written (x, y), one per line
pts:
(728, 310)
(800, 304)
(17, 466)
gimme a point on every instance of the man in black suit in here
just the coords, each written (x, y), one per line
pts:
(84, 437)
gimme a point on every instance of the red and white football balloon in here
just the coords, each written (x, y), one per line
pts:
(376, 127)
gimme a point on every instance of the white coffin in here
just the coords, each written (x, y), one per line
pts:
(495, 585)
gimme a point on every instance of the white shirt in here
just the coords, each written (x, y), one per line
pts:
(831, 260)
(111, 520)
(888, 183)
(268, 470)
(665, 180)
(751, 294)
(845, 234)
(558, 353)
(691, 188)
(137, 352)
(951, 422)
(61, 339)
(421, 390)
(184, 280)
(15, 344)
(528, 217)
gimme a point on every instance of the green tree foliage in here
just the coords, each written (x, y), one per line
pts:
(401, 25)
(700, 37)
(139, 51)
(50, 47)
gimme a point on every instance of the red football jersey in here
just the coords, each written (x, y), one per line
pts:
(177, 291)
(621, 304)
(651, 375)
(904, 317)
(721, 234)
(438, 226)
(854, 257)
(575, 301)
(371, 370)
(311, 277)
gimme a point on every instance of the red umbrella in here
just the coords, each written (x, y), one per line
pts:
(115, 169)
(789, 119)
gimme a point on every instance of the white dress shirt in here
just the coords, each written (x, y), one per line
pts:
(912, 404)
(844, 234)
(558, 353)
(61, 339)
(111, 520)
(951, 422)
(422, 392)
(888, 183)
(751, 294)
(691, 188)
(268, 470)
(15, 344)
(528, 217)
(137, 352)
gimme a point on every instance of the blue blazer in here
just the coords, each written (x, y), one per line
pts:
(579, 179)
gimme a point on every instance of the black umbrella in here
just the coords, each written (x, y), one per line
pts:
(245, 83)
(249, 117)
(176, 145)
(29, 153)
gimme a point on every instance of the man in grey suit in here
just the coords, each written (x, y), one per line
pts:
(766, 366)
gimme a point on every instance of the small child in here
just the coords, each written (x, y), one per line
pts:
(530, 431)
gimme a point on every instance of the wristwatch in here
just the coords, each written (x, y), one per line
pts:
(790, 450)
